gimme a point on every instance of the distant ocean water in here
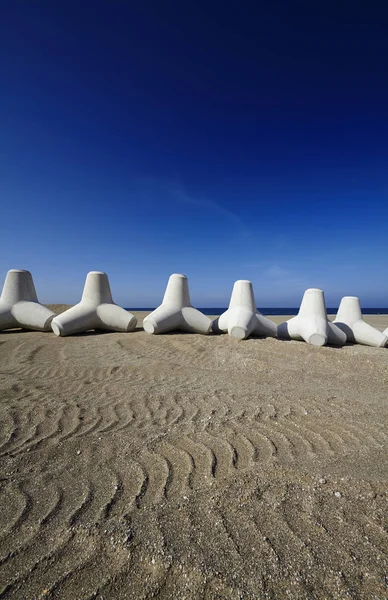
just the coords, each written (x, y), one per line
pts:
(277, 311)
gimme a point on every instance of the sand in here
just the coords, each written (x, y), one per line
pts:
(186, 466)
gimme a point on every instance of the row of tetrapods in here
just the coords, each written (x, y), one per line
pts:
(20, 308)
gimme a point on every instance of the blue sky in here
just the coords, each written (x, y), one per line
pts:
(238, 140)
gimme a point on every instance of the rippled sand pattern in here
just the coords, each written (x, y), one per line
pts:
(184, 466)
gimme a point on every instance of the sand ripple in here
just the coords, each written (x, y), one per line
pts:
(184, 466)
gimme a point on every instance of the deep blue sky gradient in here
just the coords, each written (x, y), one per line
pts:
(225, 140)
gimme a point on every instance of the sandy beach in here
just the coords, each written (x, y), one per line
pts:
(185, 467)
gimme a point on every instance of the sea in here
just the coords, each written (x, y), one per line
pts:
(272, 311)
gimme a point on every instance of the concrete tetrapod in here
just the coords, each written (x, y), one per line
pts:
(19, 304)
(176, 312)
(311, 323)
(95, 311)
(242, 319)
(349, 320)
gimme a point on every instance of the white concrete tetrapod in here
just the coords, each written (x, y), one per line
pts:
(19, 305)
(242, 319)
(311, 323)
(176, 313)
(349, 320)
(95, 311)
